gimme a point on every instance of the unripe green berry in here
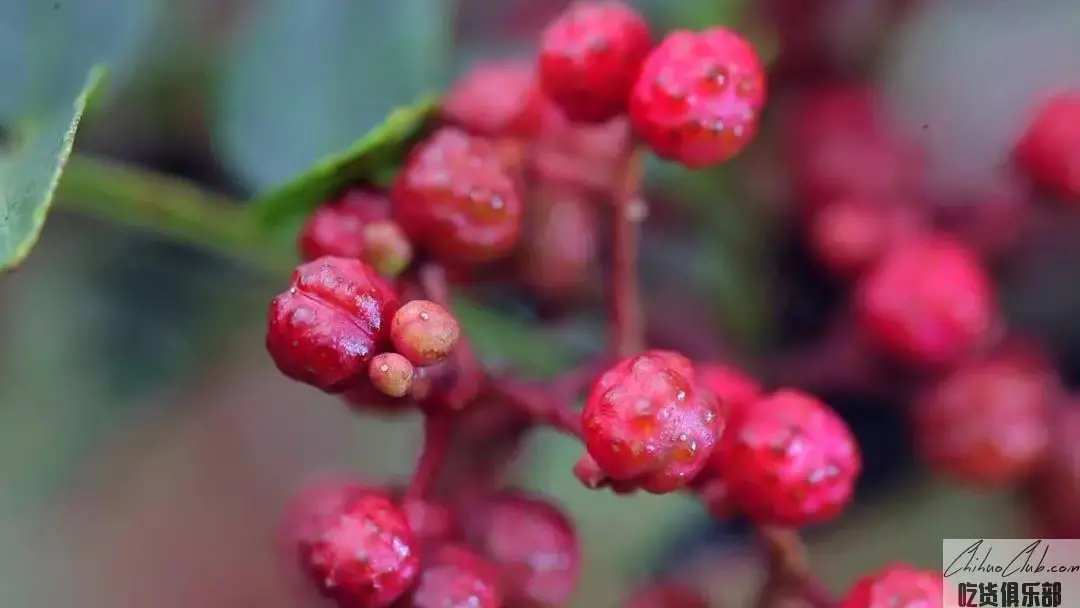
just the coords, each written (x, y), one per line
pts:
(392, 374)
(424, 332)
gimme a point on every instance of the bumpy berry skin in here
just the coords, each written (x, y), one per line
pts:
(424, 332)
(391, 373)
(365, 557)
(455, 577)
(497, 99)
(647, 421)
(1050, 148)
(590, 57)
(698, 97)
(533, 544)
(987, 423)
(788, 459)
(667, 595)
(732, 387)
(331, 321)
(849, 236)
(456, 198)
(895, 586)
(927, 302)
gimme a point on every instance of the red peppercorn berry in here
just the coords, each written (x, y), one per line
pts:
(332, 320)
(667, 595)
(365, 556)
(1054, 490)
(698, 97)
(496, 99)
(456, 198)
(733, 388)
(336, 227)
(927, 302)
(455, 577)
(424, 332)
(788, 460)
(849, 236)
(987, 423)
(896, 585)
(314, 508)
(1050, 148)
(590, 57)
(647, 421)
(533, 544)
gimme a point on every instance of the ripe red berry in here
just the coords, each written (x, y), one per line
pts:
(927, 302)
(590, 57)
(732, 387)
(1050, 148)
(698, 97)
(849, 236)
(840, 146)
(559, 249)
(986, 423)
(456, 198)
(331, 321)
(497, 99)
(364, 557)
(391, 373)
(896, 586)
(424, 332)
(533, 544)
(454, 577)
(647, 421)
(314, 509)
(667, 595)
(788, 459)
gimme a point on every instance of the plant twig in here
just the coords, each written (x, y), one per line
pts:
(627, 331)
(789, 571)
(438, 429)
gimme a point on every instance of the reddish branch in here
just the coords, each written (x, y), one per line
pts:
(627, 331)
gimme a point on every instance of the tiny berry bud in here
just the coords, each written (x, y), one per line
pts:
(667, 595)
(698, 97)
(456, 198)
(929, 301)
(337, 227)
(364, 555)
(424, 332)
(646, 420)
(1050, 148)
(788, 460)
(496, 99)
(386, 248)
(391, 373)
(532, 543)
(987, 423)
(848, 236)
(455, 577)
(590, 57)
(333, 319)
(895, 585)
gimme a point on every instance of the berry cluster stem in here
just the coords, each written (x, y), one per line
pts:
(542, 404)
(438, 430)
(627, 333)
(788, 570)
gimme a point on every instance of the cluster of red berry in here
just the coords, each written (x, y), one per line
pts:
(368, 317)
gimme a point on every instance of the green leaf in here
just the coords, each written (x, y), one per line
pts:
(305, 79)
(30, 170)
(380, 149)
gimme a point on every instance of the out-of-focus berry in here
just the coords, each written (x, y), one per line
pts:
(455, 577)
(1050, 148)
(849, 236)
(896, 586)
(497, 99)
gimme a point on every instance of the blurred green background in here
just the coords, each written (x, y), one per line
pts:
(147, 444)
